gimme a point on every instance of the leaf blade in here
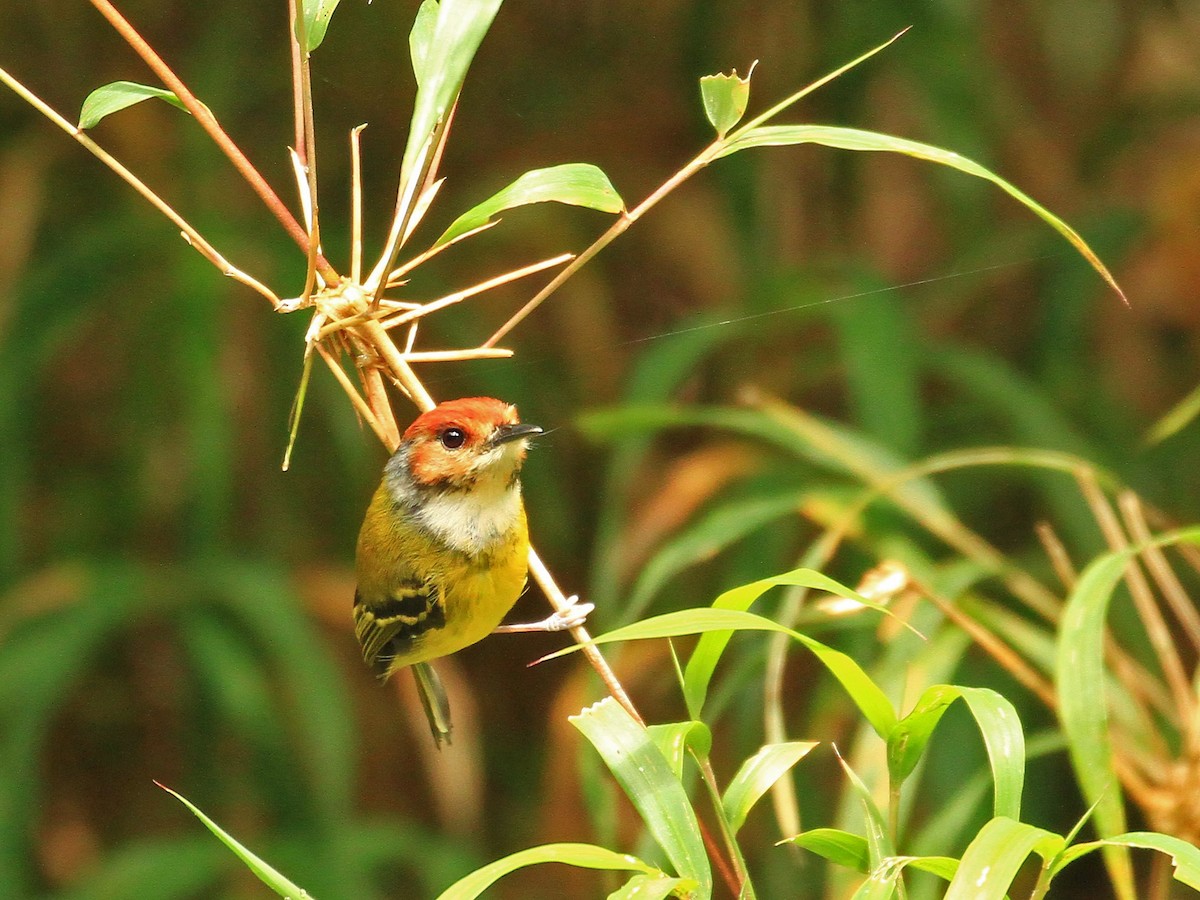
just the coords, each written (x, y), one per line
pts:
(118, 95)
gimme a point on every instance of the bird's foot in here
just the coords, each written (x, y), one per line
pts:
(572, 615)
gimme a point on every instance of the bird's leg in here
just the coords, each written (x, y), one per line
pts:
(571, 616)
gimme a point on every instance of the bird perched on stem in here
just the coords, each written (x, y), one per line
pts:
(444, 548)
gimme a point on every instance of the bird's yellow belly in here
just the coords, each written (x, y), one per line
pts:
(475, 604)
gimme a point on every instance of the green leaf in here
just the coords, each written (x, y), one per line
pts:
(1185, 857)
(1083, 705)
(879, 841)
(839, 847)
(725, 98)
(992, 859)
(653, 887)
(266, 874)
(449, 45)
(866, 695)
(576, 184)
(857, 139)
(675, 738)
(1178, 418)
(646, 777)
(998, 723)
(704, 658)
(421, 38)
(114, 97)
(756, 776)
(317, 14)
(584, 856)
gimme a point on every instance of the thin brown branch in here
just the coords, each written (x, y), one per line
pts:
(209, 123)
(1008, 659)
(1143, 599)
(356, 399)
(429, 356)
(459, 296)
(356, 203)
(190, 234)
(1156, 561)
(1057, 553)
(618, 228)
(297, 82)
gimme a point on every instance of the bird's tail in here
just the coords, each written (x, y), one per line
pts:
(434, 700)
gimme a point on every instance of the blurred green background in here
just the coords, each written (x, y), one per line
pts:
(174, 607)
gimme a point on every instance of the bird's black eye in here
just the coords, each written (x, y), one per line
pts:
(453, 438)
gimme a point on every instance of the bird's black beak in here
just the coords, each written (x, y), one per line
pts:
(506, 433)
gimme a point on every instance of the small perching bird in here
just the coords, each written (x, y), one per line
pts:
(444, 548)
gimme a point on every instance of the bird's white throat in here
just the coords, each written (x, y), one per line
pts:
(472, 521)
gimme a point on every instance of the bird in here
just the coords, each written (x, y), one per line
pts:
(443, 552)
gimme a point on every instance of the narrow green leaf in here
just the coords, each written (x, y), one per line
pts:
(114, 97)
(1185, 857)
(420, 38)
(998, 723)
(704, 658)
(584, 856)
(1178, 418)
(653, 887)
(992, 859)
(675, 738)
(867, 696)
(839, 847)
(317, 14)
(266, 874)
(725, 98)
(449, 47)
(576, 184)
(646, 777)
(1083, 704)
(857, 139)
(756, 776)
(879, 841)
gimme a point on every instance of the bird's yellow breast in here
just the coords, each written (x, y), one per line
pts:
(470, 573)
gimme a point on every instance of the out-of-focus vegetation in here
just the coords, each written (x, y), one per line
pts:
(173, 606)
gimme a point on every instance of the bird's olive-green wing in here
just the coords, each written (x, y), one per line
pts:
(387, 626)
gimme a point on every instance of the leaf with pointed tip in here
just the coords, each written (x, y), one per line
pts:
(725, 98)
(998, 723)
(266, 873)
(317, 14)
(119, 95)
(1185, 857)
(421, 36)
(870, 700)
(675, 738)
(837, 846)
(756, 776)
(857, 139)
(576, 184)
(651, 786)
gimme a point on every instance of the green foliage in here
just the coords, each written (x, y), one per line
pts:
(111, 98)
(143, 550)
